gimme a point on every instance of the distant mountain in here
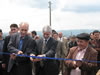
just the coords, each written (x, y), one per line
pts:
(67, 32)
(71, 32)
(75, 32)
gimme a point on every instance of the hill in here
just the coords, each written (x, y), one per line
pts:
(71, 32)
(67, 32)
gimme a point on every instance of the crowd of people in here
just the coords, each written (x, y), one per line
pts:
(23, 52)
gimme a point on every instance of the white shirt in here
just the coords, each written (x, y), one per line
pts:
(60, 39)
(46, 39)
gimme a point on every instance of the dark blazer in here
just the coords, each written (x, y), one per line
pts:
(87, 68)
(28, 47)
(50, 47)
(96, 45)
(6, 56)
(50, 66)
(5, 49)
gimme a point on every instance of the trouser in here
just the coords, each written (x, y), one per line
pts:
(1, 69)
(22, 69)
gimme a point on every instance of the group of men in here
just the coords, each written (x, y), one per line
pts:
(19, 42)
(19, 51)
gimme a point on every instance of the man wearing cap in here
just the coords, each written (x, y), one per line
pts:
(85, 54)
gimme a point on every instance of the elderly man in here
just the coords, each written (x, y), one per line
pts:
(85, 54)
(64, 40)
(46, 47)
(21, 43)
(59, 52)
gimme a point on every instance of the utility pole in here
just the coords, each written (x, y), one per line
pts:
(50, 13)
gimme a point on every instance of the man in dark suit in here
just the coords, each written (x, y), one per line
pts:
(13, 29)
(95, 43)
(46, 47)
(1, 49)
(21, 43)
(72, 42)
(85, 54)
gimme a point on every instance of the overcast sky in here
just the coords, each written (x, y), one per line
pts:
(66, 14)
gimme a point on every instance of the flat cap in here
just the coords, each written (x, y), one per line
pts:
(83, 36)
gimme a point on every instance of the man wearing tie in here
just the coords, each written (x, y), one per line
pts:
(21, 43)
(46, 47)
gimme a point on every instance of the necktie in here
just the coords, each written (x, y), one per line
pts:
(20, 44)
(45, 41)
(44, 46)
(43, 51)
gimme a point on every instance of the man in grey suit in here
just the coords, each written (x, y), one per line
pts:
(59, 52)
(21, 43)
(46, 47)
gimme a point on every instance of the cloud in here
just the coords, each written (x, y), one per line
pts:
(81, 6)
(83, 9)
(37, 18)
(65, 14)
(72, 20)
(41, 4)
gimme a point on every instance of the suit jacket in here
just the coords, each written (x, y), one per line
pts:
(64, 41)
(5, 49)
(50, 47)
(87, 68)
(72, 44)
(60, 54)
(60, 49)
(96, 45)
(49, 51)
(28, 47)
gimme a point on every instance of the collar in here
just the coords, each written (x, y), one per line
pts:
(83, 50)
(46, 39)
(35, 37)
(22, 37)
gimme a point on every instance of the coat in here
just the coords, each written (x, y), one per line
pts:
(87, 68)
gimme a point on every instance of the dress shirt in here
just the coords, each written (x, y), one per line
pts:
(60, 39)
(79, 56)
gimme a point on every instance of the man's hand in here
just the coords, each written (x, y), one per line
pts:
(20, 52)
(79, 63)
(13, 56)
(43, 55)
(3, 66)
(36, 59)
(32, 59)
(39, 59)
(74, 64)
